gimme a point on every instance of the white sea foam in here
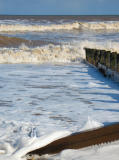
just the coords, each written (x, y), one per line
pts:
(49, 53)
(39, 99)
(31, 109)
(27, 144)
(66, 26)
(38, 28)
(31, 144)
(105, 151)
(102, 45)
(100, 25)
(90, 124)
(64, 53)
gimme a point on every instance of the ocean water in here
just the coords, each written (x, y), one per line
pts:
(48, 91)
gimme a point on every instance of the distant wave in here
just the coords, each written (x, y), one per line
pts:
(68, 26)
(38, 28)
(110, 25)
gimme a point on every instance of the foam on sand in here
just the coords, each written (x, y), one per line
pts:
(91, 124)
(28, 144)
(104, 151)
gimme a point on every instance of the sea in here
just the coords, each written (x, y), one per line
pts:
(47, 90)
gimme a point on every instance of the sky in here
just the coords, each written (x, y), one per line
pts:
(59, 7)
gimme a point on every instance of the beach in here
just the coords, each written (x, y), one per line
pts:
(48, 91)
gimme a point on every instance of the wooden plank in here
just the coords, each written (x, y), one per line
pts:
(81, 140)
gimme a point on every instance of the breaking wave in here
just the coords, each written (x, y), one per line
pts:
(110, 25)
(38, 28)
(103, 45)
(62, 53)
(45, 54)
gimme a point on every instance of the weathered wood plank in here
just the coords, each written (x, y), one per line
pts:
(81, 140)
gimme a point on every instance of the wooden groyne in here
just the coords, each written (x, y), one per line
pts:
(80, 140)
(106, 61)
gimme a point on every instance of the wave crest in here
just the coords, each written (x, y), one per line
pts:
(46, 54)
(100, 25)
(62, 53)
(69, 26)
(38, 28)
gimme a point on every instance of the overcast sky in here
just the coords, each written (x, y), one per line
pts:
(60, 7)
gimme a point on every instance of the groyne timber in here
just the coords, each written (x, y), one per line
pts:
(80, 140)
(106, 61)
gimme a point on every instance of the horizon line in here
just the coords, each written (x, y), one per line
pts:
(59, 15)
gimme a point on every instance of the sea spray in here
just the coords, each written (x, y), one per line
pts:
(47, 54)
(64, 53)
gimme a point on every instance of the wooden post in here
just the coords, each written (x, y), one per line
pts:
(113, 60)
(117, 69)
(107, 59)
